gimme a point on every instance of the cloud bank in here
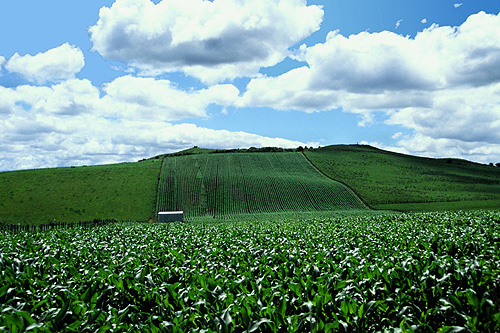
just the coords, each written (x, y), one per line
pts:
(130, 118)
(209, 40)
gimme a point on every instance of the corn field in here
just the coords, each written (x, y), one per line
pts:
(225, 185)
(432, 272)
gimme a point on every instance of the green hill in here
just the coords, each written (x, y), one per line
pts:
(228, 184)
(122, 191)
(205, 182)
(387, 180)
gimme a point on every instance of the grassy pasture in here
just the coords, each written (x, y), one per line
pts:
(122, 191)
(387, 180)
(228, 184)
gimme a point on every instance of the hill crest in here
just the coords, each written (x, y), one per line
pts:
(128, 191)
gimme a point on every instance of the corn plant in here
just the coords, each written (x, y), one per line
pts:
(433, 272)
(225, 185)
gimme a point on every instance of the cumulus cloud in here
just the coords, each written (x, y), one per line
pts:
(427, 146)
(110, 141)
(2, 61)
(288, 91)
(75, 123)
(368, 62)
(210, 40)
(152, 99)
(456, 5)
(424, 20)
(398, 23)
(463, 114)
(59, 63)
(443, 84)
(375, 63)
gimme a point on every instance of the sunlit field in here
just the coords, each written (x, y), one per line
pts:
(426, 272)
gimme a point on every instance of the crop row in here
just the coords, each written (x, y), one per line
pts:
(421, 272)
(224, 185)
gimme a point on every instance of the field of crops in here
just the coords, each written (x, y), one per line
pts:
(225, 185)
(432, 272)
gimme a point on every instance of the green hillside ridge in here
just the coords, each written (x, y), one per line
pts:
(190, 151)
(123, 191)
(227, 184)
(387, 180)
(129, 191)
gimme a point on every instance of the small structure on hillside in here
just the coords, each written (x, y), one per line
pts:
(171, 216)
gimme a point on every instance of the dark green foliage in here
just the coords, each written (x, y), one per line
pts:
(419, 272)
(196, 151)
(224, 185)
(388, 180)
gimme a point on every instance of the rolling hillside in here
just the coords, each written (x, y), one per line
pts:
(123, 191)
(224, 185)
(387, 180)
(203, 182)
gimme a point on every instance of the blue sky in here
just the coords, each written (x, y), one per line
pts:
(92, 82)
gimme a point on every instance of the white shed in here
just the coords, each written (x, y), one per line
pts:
(170, 216)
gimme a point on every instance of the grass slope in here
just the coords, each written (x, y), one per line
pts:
(258, 183)
(122, 191)
(229, 184)
(387, 180)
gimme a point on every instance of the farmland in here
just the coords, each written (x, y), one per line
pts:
(230, 184)
(123, 191)
(273, 243)
(225, 185)
(422, 271)
(387, 180)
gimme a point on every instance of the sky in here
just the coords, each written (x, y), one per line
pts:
(86, 82)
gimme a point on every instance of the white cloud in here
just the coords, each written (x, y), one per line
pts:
(444, 84)
(75, 123)
(159, 100)
(288, 91)
(69, 98)
(208, 40)
(59, 63)
(456, 5)
(397, 135)
(427, 146)
(368, 62)
(109, 141)
(374, 63)
(463, 114)
(383, 64)
(2, 61)
(398, 23)
(424, 20)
